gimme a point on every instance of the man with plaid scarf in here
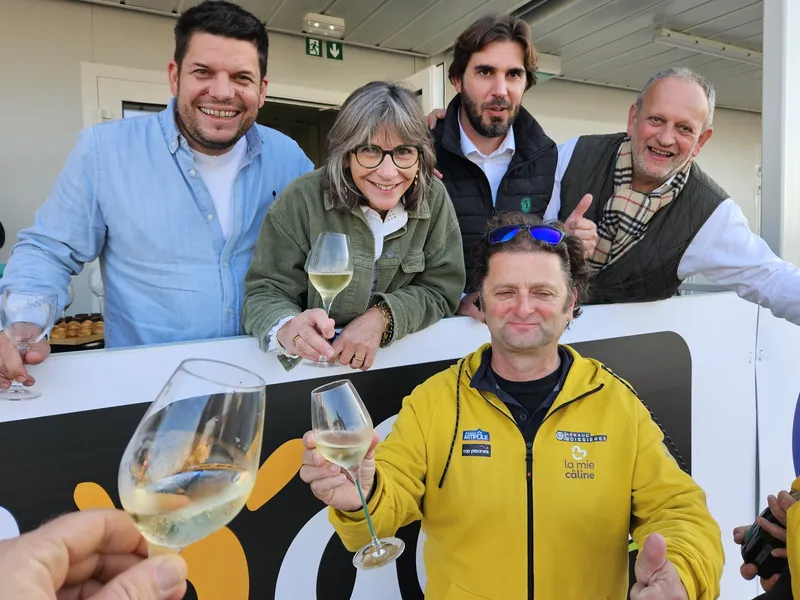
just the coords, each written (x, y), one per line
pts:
(660, 218)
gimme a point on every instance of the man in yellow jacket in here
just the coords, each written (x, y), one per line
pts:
(528, 464)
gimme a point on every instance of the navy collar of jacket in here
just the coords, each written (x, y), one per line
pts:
(484, 380)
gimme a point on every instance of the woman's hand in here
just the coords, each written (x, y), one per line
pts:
(359, 341)
(307, 335)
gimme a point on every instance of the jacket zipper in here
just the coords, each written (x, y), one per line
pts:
(529, 473)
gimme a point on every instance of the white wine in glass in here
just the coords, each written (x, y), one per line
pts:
(343, 432)
(192, 462)
(330, 270)
(25, 318)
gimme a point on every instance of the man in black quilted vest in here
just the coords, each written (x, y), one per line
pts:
(492, 154)
(660, 218)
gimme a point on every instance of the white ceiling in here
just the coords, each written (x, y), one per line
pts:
(609, 42)
(606, 42)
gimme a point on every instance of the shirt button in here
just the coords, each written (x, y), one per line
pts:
(209, 217)
(225, 264)
(523, 417)
(390, 255)
(230, 311)
(192, 172)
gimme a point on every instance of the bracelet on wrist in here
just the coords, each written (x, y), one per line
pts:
(388, 322)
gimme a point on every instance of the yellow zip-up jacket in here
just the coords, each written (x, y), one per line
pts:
(792, 541)
(553, 524)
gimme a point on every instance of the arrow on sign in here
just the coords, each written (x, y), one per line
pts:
(335, 51)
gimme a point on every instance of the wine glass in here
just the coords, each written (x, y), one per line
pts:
(70, 299)
(192, 461)
(96, 284)
(330, 270)
(26, 317)
(343, 433)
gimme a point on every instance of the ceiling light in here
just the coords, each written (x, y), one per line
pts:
(323, 25)
(706, 46)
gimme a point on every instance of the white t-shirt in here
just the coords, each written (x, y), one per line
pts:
(219, 174)
(724, 251)
(493, 165)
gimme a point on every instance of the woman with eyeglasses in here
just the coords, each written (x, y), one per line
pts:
(378, 188)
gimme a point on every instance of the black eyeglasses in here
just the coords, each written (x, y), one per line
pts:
(370, 156)
(543, 233)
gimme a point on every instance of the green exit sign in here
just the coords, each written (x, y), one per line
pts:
(313, 47)
(333, 50)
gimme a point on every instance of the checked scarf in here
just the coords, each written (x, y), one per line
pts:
(626, 215)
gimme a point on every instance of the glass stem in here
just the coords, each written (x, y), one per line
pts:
(375, 541)
(156, 550)
(16, 386)
(326, 305)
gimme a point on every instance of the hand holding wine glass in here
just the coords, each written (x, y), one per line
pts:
(342, 433)
(329, 481)
(330, 270)
(192, 462)
(25, 318)
(307, 334)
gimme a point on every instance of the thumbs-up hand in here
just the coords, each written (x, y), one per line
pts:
(656, 577)
(582, 228)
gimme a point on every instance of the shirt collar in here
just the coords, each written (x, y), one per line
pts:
(398, 211)
(484, 379)
(467, 147)
(174, 138)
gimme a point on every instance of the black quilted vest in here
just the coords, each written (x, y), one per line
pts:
(649, 270)
(526, 186)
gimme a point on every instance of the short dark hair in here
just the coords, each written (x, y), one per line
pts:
(219, 17)
(570, 252)
(489, 29)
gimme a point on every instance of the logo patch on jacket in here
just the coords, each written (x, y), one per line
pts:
(579, 436)
(475, 435)
(476, 450)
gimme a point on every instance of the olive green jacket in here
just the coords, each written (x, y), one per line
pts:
(420, 274)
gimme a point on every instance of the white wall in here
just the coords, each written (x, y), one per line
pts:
(42, 43)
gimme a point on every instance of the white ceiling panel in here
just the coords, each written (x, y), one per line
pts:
(384, 22)
(162, 5)
(455, 24)
(600, 23)
(610, 42)
(428, 24)
(554, 20)
(354, 13)
(721, 24)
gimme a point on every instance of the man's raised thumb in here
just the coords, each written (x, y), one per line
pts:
(652, 556)
(158, 578)
(580, 210)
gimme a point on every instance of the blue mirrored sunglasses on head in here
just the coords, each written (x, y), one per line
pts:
(543, 233)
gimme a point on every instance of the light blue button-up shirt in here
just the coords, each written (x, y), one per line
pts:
(130, 194)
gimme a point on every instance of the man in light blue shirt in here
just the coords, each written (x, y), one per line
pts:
(171, 203)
